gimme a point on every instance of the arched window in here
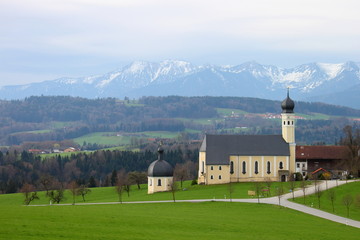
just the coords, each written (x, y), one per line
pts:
(268, 167)
(288, 122)
(202, 166)
(159, 182)
(256, 167)
(150, 183)
(219, 167)
(281, 165)
(231, 167)
(284, 122)
(292, 122)
(243, 167)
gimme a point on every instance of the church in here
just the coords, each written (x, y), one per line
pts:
(245, 158)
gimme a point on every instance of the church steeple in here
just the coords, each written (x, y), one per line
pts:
(288, 119)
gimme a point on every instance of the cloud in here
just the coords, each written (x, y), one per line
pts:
(153, 29)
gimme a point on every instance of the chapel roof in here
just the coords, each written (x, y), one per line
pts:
(160, 167)
(218, 148)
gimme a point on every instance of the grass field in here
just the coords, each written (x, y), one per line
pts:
(209, 220)
(325, 204)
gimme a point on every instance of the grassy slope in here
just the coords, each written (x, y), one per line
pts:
(340, 209)
(209, 220)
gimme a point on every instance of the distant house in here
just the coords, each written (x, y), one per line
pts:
(36, 151)
(310, 159)
(70, 149)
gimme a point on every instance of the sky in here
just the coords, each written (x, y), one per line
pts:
(44, 40)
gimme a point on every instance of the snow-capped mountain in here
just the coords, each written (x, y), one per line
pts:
(315, 81)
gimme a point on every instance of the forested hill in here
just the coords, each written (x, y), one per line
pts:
(60, 118)
(110, 110)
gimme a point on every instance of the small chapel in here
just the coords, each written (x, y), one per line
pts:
(245, 158)
(160, 174)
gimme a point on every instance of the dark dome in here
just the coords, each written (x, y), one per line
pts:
(288, 104)
(160, 167)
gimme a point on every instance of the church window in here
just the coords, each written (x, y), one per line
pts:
(231, 167)
(268, 166)
(150, 183)
(212, 168)
(281, 165)
(212, 177)
(244, 167)
(202, 166)
(219, 167)
(284, 123)
(220, 177)
(288, 122)
(292, 122)
(159, 182)
(256, 167)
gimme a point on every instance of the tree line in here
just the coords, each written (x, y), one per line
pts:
(91, 169)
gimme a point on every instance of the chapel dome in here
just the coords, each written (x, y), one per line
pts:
(288, 104)
(160, 167)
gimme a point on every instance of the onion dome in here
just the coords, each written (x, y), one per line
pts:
(160, 167)
(288, 104)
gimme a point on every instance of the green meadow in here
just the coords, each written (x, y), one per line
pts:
(339, 208)
(207, 220)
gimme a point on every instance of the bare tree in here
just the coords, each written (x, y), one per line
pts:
(231, 190)
(46, 182)
(73, 188)
(56, 195)
(137, 178)
(347, 201)
(180, 173)
(173, 188)
(268, 184)
(327, 176)
(318, 194)
(127, 185)
(29, 193)
(303, 185)
(357, 200)
(257, 188)
(83, 191)
(292, 185)
(352, 141)
(120, 183)
(279, 192)
(332, 197)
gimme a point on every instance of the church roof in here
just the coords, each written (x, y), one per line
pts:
(160, 167)
(288, 104)
(218, 148)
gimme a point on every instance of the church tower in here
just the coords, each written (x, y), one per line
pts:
(288, 127)
(288, 119)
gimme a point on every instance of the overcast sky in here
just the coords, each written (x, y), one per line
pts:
(43, 40)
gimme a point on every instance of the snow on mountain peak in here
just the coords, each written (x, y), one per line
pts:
(331, 70)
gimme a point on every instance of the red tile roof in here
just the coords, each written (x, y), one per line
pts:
(321, 152)
(318, 170)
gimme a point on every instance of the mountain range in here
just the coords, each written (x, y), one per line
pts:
(337, 84)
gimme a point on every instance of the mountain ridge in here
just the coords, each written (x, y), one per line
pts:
(309, 82)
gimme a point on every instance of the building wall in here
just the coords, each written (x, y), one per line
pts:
(220, 174)
(154, 187)
(239, 175)
(217, 174)
(288, 127)
(202, 168)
